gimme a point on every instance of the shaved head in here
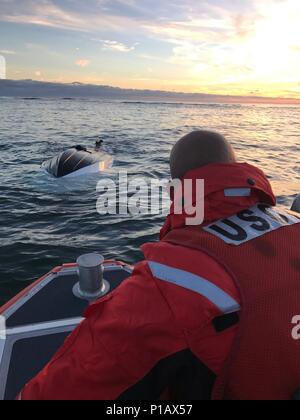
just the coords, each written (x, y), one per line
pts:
(198, 149)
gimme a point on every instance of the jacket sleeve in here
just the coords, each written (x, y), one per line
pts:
(122, 338)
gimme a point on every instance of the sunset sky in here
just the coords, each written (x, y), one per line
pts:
(239, 47)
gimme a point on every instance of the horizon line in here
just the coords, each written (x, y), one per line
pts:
(231, 98)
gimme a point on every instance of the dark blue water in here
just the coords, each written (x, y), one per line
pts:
(46, 222)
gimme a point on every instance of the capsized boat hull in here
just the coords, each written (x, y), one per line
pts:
(39, 320)
(75, 162)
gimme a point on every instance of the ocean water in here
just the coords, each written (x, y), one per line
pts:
(46, 222)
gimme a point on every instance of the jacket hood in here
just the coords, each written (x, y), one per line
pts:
(229, 188)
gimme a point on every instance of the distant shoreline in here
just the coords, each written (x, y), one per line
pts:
(149, 102)
(33, 90)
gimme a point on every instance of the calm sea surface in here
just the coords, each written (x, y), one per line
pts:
(46, 222)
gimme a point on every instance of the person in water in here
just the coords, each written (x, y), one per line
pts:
(208, 313)
(98, 145)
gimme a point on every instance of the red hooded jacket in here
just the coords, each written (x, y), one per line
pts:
(155, 331)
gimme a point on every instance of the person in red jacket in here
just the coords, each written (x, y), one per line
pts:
(208, 313)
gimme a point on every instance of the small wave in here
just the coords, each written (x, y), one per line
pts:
(32, 99)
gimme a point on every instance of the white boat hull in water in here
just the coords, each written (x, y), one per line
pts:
(78, 162)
